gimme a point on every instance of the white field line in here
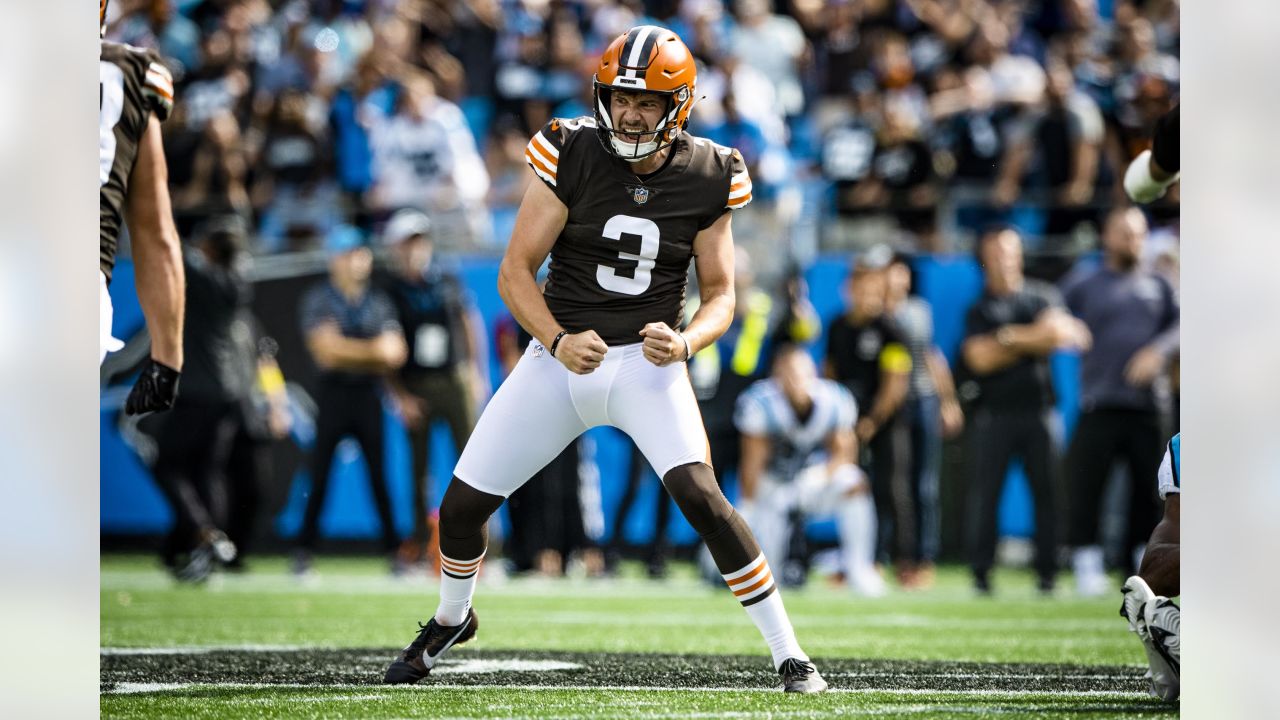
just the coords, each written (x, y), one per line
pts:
(126, 688)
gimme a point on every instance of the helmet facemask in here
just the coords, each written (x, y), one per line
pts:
(652, 141)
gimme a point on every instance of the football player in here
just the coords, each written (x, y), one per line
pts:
(1151, 614)
(799, 458)
(135, 95)
(1151, 173)
(625, 200)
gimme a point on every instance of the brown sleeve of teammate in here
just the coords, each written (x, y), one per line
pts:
(157, 255)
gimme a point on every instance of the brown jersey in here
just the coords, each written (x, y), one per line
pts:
(622, 260)
(133, 84)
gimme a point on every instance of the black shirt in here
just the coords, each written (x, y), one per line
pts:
(366, 318)
(215, 298)
(858, 354)
(1027, 384)
(431, 312)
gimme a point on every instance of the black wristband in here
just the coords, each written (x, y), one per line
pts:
(556, 343)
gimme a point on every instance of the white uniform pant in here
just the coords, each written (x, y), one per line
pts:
(815, 495)
(106, 343)
(542, 407)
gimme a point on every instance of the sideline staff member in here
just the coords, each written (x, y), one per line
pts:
(355, 340)
(1009, 334)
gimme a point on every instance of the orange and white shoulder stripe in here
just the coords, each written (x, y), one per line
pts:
(752, 581)
(543, 157)
(739, 190)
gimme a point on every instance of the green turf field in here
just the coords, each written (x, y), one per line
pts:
(265, 645)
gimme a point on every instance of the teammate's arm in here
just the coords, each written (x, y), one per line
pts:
(539, 222)
(842, 449)
(160, 281)
(895, 374)
(1160, 563)
(713, 261)
(753, 457)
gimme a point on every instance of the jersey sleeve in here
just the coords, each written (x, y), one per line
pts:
(1169, 474)
(750, 415)
(739, 183)
(157, 86)
(543, 154)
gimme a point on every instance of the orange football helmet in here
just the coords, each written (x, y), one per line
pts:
(646, 59)
(102, 18)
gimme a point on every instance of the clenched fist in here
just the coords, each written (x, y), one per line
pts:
(581, 352)
(662, 345)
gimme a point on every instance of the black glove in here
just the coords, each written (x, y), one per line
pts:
(155, 389)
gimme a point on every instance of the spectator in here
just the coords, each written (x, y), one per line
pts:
(1133, 316)
(292, 186)
(194, 443)
(775, 46)
(155, 23)
(218, 175)
(424, 157)
(1009, 334)
(868, 355)
(443, 378)
(370, 91)
(901, 177)
(355, 340)
(931, 409)
(1064, 140)
(510, 178)
(799, 460)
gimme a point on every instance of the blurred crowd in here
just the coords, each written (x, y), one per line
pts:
(916, 120)
(882, 128)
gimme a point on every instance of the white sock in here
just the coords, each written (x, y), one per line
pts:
(856, 523)
(753, 586)
(457, 585)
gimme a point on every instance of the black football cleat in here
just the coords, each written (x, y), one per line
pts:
(800, 676)
(433, 641)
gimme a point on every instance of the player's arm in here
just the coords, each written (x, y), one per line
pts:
(333, 351)
(753, 457)
(842, 449)
(949, 406)
(895, 375)
(157, 251)
(994, 351)
(159, 277)
(713, 262)
(1160, 563)
(539, 221)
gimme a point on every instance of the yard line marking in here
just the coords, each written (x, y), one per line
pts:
(131, 688)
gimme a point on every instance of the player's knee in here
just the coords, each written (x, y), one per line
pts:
(693, 487)
(465, 510)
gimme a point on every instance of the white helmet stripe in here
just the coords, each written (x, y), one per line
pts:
(638, 49)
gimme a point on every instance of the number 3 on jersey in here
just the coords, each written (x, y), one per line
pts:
(648, 232)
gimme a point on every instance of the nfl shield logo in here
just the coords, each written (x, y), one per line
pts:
(640, 195)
